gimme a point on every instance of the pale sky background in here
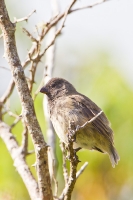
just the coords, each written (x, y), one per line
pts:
(107, 27)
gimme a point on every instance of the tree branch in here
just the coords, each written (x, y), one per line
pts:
(24, 18)
(56, 19)
(73, 158)
(81, 170)
(91, 120)
(8, 92)
(19, 161)
(88, 6)
(60, 29)
(24, 145)
(28, 113)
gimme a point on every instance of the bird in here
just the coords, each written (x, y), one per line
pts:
(66, 105)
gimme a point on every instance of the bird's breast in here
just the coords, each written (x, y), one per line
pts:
(60, 125)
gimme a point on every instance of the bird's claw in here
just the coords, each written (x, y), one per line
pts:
(77, 149)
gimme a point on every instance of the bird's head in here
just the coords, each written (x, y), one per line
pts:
(57, 87)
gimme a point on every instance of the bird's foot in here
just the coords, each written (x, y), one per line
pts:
(75, 154)
(77, 149)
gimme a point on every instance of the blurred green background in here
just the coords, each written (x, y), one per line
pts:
(98, 76)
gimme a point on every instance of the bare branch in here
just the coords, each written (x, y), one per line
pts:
(81, 127)
(32, 74)
(33, 39)
(49, 25)
(19, 161)
(56, 19)
(88, 6)
(8, 92)
(24, 145)
(12, 114)
(17, 118)
(73, 158)
(10, 88)
(65, 16)
(59, 17)
(31, 53)
(60, 29)
(69, 186)
(15, 122)
(28, 114)
(24, 18)
(81, 170)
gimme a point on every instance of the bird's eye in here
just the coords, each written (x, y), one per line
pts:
(54, 85)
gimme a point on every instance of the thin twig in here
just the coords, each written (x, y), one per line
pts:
(60, 29)
(88, 6)
(32, 74)
(65, 16)
(33, 39)
(49, 25)
(8, 92)
(24, 18)
(15, 122)
(12, 114)
(81, 170)
(34, 51)
(78, 128)
(56, 19)
(59, 17)
(24, 145)
(31, 52)
(17, 118)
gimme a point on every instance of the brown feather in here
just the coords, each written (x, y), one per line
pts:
(67, 105)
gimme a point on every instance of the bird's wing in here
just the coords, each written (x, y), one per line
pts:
(82, 109)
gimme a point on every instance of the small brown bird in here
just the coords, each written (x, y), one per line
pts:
(66, 105)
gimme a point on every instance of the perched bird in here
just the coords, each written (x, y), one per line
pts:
(66, 105)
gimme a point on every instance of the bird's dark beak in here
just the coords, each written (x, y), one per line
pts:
(44, 90)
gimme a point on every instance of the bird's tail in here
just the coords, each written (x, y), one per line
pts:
(114, 157)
